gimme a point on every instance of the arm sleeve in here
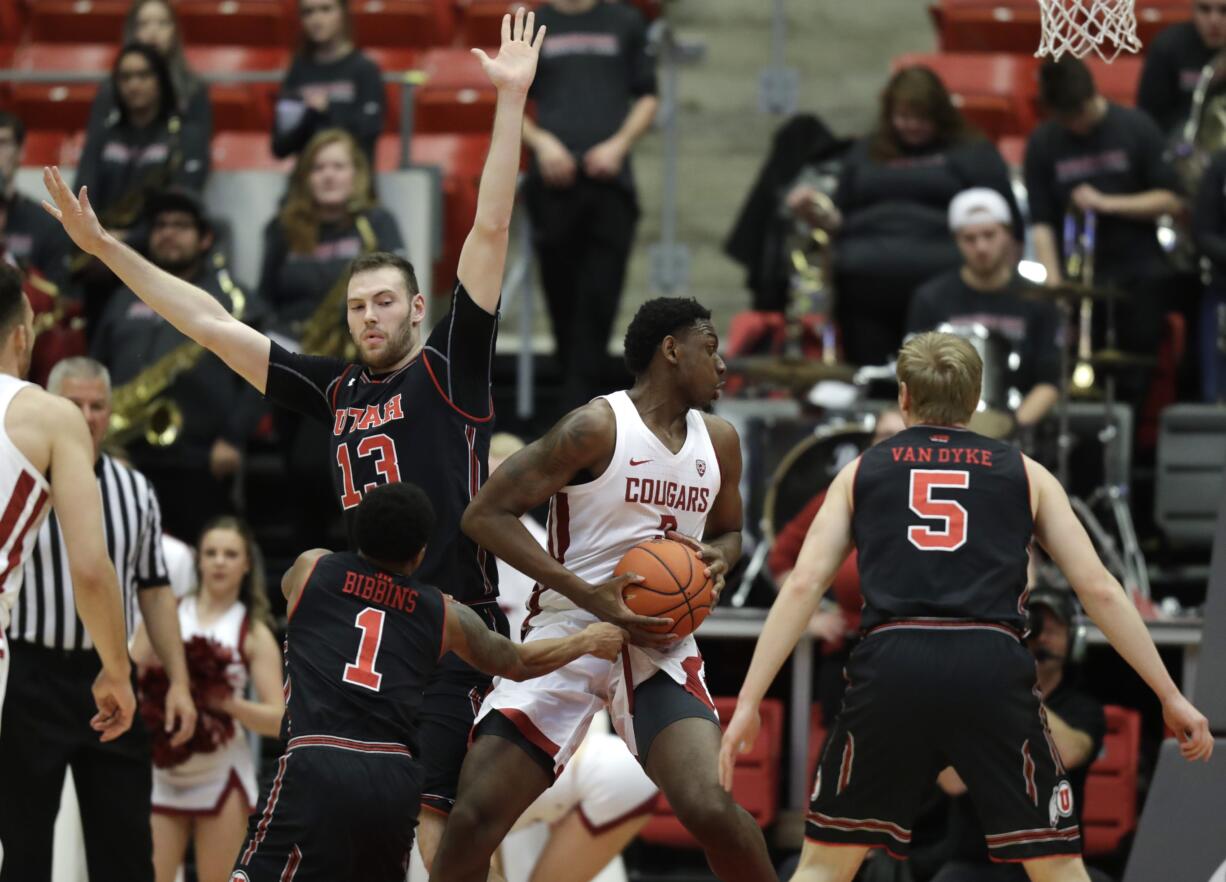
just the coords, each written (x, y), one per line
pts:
(460, 354)
(303, 383)
(642, 63)
(1208, 218)
(151, 570)
(1044, 207)
(787, 544)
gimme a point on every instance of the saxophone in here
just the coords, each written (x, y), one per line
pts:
(140, 407)
(1204, 131)
(325, 332)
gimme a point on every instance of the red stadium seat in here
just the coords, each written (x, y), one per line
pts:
(1013, 149)
(456, 96)
(12, 22)
(43, 148)
(394, 61)
(237, 22)
(402, 23)
(77, 21)
(755, 780)
(995, 91)
(480, 21)
(1013, 25)
(245, 151)
(58, 106)
(242, 106)
(1110, 811)
(1118, 80)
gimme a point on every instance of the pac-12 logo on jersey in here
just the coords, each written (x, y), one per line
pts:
(240, 876)
(1061, 805)
(701, 466)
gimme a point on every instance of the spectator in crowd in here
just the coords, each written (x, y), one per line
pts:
(1077, 727)
(205, 412)
(154, 23)
(330, 84)
(1095, 156)
(327, 220)
(986, 291)
(889, 210)
(1173, 63)
(50, 702)
(207, 796)
(28, 235)
(595, 93)
(1209, 231)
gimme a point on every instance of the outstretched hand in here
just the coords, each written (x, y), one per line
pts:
(515, 65)
(76, 214)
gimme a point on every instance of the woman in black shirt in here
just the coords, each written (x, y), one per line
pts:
(889, 213)
(154, 23)
(330, 84)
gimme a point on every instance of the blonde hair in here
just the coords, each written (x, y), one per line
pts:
(944, 374)
(253, 591)
(300, 216)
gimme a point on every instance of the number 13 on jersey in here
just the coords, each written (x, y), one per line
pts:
(951, 535)
(383, 449)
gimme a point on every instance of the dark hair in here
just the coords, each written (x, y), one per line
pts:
(365, 263)
(394, 522)
(306, 47)
(12, 121)
(655, 320)
(167, 99)
(253, 591)
(1065, 86)
(12, 309)
(920, 88)
(186, 83)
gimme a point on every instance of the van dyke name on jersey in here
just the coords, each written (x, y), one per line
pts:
(654, 491)
(381, 589)
(944, 455)
(359, 419)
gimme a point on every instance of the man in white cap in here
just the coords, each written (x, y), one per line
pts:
(985, 291)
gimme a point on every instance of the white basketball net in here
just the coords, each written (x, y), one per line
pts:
(1106, 27)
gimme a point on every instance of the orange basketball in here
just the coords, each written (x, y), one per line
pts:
(674, 584)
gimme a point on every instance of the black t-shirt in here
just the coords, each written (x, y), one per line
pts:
(195, 108)
(214, 401)
(942, 523)
(356, 102)
(1030, 326)
(1209, 217)
(1081, 712)
(429, 423)
(1173, 62)
(360, 646)
(594, 65)
(34, 238)
(1123, 154)
(294, 284)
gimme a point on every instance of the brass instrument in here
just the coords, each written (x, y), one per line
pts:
(140, 407)
(1204, 131)
(1079, 231)
(810, 283)
(326, 332)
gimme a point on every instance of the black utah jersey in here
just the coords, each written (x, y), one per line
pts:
(942, 521)
(428, 423)
(360, 646)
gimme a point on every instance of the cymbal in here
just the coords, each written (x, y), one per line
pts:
(796, 373)
(1072, 292)
(1114, 358)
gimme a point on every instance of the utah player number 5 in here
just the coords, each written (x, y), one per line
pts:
(952, 534)
(380, 446)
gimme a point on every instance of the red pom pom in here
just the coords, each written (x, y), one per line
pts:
(208, 664)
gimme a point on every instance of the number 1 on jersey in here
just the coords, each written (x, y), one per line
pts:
(363, 673)
(952, 535)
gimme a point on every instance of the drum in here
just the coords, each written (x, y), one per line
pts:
(994, 416)
(808, 468)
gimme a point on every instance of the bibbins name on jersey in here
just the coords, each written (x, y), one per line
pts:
(655, 491)
(380, 589)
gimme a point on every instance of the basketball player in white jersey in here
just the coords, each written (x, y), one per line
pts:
(46, 456)
(621, 469)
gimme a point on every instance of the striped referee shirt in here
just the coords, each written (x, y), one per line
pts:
(45, 614)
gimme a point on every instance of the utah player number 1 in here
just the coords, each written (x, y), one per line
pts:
(362, 672)
(380, 446)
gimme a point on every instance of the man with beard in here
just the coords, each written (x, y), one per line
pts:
(191, 474)
(412, 410)
(985, 291)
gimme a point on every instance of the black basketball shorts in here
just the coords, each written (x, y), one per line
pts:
(338, 811)
(921, 698)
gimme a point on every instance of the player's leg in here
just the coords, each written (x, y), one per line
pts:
(829, 863)
(219, 837)
(575, 852)
(170, 837)
(114, 782)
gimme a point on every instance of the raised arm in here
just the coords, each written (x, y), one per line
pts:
(826, 546)
(484, 254)
(1064, 538)
(582, 441)
(191, 310)
(469, 638)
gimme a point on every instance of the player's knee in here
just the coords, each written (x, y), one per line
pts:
(478, 822)
(708, 812)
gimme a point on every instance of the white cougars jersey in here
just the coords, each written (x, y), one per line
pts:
(23, 494)
(646, 491)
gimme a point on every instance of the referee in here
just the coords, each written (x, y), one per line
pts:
(49, 704)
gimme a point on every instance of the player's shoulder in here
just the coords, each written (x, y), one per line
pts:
(36, 406)
(720, 430)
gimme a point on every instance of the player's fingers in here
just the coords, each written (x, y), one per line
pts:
(529, 23)
(52, 210)
(481, 56)
(506, 28)
(517, 32)
(683, 539)
(539, 39)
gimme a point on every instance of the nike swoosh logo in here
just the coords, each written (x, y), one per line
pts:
(638, 462)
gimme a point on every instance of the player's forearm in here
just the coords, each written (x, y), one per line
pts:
(1036, 404)
(638, 121)
(504, 535)
(496, 195)
(161, 617)
(540, 657)
(260, 717)
(1148, 205)
(98, 602)
(1109, 608)
(533, 134)
(785, 625)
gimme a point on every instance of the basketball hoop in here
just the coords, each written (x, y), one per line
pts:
(1079, 27)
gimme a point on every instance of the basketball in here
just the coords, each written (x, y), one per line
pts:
(674, 584)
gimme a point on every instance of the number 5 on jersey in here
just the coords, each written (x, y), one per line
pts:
(384, 450)
(952, 534)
